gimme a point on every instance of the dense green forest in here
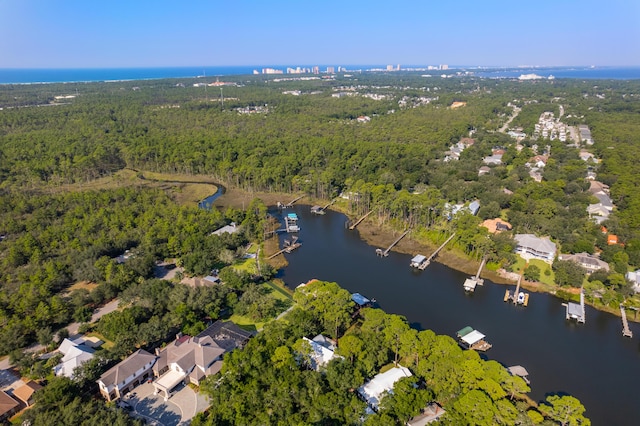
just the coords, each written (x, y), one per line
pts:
(271, 382)
(56, 231)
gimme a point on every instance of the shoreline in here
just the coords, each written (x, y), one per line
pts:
(381, 236)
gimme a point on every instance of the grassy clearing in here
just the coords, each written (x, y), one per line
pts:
(184, 189)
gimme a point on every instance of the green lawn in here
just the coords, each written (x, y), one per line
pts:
(248, 323)
(544, 266)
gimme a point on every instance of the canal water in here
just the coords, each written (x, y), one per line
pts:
(591, 361)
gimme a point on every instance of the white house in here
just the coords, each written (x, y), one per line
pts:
(322, 351)
(75, 354)
(531, 247)
(374, 389)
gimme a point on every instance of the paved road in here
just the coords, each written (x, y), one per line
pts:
(73, 327)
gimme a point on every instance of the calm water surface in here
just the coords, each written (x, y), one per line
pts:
(591, 361)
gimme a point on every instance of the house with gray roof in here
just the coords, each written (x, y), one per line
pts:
(126, 375)
(185, 360)
(587, 261)
(531, 247)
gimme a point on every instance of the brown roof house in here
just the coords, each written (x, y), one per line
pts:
(496, 225)
(186, 359)
(8, 406)
(126, 375)
(25, 393)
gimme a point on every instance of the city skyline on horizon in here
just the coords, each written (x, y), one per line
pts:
(145, 34)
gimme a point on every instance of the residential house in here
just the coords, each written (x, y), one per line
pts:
(598, 212)
(8, 406)
(634, 279)
(496, 225)
(493, 160)
(322, 351)
(76, 353)
(25, 392)
(453, 209)
(186, 360)
(612, 240)
(483, 170)
(531, 247)
(587, 261)
(373, 390)
(227, 335)
(231, 228)
(126, 375)
(429, 414)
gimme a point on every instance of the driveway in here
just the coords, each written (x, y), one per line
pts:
(178, 410)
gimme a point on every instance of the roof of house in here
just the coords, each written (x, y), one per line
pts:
(612, 239)
(429, 414)
(226, 335)
(383, 382)
(7, 403)
(320, 355)
(359, 299)
(26, 391)
(127, 367)
(541, 245)
(189, 352)
(228, 229)
(587, 259)
(75, 353)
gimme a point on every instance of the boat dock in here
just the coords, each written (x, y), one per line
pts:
(289, 246)
(419, 262)
(321, 209)
(518, 297)
(385, 253)
(291, 222)
(290, 204)
(576, 311)
(626, 331)
(473, 339)
(520, 371)
(471, 283)
(352, 227)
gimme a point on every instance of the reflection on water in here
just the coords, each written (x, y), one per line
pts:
(591, 361)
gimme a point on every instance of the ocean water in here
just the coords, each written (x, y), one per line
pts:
(604, 73)
(33, 76)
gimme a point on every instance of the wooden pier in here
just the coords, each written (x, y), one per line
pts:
(516, 297)
(290, 204)
(435, 253)
(385, 253)
(626, 331)
(471, 283)
(352, 227)
(289, 246)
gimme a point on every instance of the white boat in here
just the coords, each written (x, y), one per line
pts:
(520, 298)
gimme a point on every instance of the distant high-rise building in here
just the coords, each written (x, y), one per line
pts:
(398, 67)
(316, 70)
(389, 67)
(331, 70)
(444, 67)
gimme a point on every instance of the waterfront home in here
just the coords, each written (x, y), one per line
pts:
(472, 339)
(360, 300)
(587, 261)
(531, 247)
(126, 375)
(373, 390)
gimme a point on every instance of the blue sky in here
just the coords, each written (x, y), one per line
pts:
(148, 33)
